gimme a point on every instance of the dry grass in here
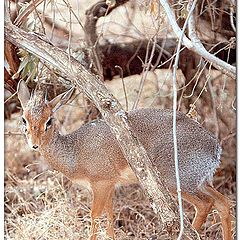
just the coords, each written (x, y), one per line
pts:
(49, 207)
(43, 204)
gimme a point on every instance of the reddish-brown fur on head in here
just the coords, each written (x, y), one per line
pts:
(38, 126)
(37, 117)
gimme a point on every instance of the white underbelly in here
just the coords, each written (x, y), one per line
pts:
(126, 177)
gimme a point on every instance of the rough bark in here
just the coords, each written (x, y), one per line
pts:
(114, 116)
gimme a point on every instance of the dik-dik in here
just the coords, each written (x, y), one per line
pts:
(91, 156)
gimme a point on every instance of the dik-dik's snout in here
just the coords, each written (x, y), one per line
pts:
(33, 134)
(33, 143)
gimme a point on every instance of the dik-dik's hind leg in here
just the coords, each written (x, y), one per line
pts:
(203, 205)
(222, 205)
(101, 191)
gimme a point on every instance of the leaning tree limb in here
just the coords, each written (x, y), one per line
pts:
(115, 117)
(195, 44)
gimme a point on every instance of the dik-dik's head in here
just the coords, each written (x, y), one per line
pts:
(37, 117)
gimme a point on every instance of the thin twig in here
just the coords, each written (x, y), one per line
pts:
(75, 15)
(9, 98)
(200, 73)
(145, 72)
(133, 56)
(196, 83)
(160, 54)
(212, 95)
(170, 59)
(70, 30)
(8, 133)
(232, 104)
(159, 89)
(124, 87)
(28, 10)
(231, 135)
(174, 125)
(231, 19)
(204, 86)
(53, 11)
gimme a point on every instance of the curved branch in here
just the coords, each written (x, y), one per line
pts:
(218, 63)
(97, 10)
(195, 44)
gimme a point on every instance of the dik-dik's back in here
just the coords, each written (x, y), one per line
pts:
(198, 150)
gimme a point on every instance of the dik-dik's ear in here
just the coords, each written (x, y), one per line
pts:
(23, 93)
(61, 99)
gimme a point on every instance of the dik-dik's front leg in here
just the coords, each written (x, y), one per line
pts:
(102, 198)
(109, 211)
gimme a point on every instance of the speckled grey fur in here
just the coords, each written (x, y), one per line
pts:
(198, 150)
(94, 149)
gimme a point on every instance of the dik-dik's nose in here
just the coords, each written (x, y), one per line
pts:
(35, 146)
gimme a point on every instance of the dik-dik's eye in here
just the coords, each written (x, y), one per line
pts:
(48, 124)
(24, 125)
(24, 121)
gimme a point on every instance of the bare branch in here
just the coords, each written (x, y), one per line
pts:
(145, 71)
(231, 19)
(174, 128)
(195, 44)
(97, 10)
(218, 63)
(124, 87)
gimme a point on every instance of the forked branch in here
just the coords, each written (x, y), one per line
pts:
(195, 44)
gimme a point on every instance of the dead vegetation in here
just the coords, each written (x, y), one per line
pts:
(42, 204)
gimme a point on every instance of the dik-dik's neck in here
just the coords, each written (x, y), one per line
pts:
(55, 151)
